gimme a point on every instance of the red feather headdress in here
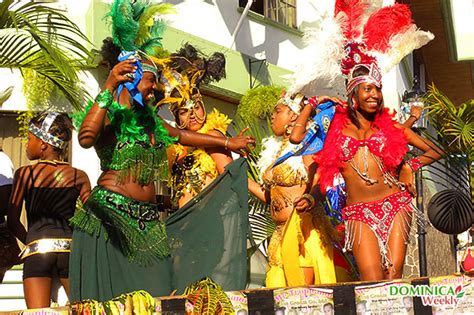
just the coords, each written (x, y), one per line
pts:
(361, 33)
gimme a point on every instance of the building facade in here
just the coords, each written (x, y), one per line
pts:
(261, 46)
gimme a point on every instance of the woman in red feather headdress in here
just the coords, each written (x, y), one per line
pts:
(364, 144)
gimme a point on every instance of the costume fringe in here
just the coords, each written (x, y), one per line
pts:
(140, 242)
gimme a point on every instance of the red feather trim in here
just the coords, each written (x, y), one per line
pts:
(384, 23)
(350, 13)
(330, 157)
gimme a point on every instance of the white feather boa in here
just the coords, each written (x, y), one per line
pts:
(270, 148)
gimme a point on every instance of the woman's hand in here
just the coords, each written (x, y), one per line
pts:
(416, 111)
(304, 203)
(406, 178)
(241, 144)
(124, 71)
(324, 98)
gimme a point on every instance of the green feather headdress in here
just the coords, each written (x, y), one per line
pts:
(136, 25)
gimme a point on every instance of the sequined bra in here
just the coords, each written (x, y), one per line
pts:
(284, 175)
(139, 159)
(189, 174)
(132, 155)
(289, 173)
(350, 145)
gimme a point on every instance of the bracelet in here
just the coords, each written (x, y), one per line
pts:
(104, 99)
(416, 118)
(226, 143)
(310, 198)
(414, 163)
(314, 101)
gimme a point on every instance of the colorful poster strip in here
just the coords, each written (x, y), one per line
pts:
(308, 301)
(384, 298)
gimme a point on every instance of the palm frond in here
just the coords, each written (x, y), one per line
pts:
(34, 36)
(454, 125)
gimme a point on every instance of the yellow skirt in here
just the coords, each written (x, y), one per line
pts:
(295, 245)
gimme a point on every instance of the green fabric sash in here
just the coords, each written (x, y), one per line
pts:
(208, 235)
(131, 224)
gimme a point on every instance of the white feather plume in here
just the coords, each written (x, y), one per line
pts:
(270, 148)
(319, 61)
(401, 45)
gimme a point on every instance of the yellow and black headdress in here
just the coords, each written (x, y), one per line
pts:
(183, 72)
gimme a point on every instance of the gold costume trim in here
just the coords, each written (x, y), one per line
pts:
(197, 165)
(47, 245)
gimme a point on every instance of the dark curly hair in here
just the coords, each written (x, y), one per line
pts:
(109, 52)
(60, 128)
(213, 67)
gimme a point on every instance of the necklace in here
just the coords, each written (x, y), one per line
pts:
(388, 178)
(365, 173)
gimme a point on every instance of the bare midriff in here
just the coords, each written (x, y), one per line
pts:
(282, 200)
(127, 187)
(357, 189)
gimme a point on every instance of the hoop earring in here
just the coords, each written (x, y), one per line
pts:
(354, 103)
(288, 129)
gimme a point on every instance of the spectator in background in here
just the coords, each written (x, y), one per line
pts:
(6, 179)
(50, 189)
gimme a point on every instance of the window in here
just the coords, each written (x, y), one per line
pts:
(281, 11)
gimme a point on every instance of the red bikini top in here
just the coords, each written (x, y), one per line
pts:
(350, 145)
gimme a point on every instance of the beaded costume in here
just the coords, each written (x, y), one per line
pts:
(189, 173)
(358, 44)
(387, 147)
(127, 234)
(303, 241)
(119, 243)
(208, 233)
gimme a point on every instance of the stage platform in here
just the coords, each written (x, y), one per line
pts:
(438, 295)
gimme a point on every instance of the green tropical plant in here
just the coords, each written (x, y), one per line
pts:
(258, 103)
(39, 38)
(207, 297)
(454, 125)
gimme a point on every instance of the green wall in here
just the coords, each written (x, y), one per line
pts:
(238, 66)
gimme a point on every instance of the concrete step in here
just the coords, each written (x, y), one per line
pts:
(11, 290)
(13, 276)
(12, 304)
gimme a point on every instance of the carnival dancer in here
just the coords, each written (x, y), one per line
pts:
(193, 168)
(300, 250)
(208, 188)
(120, 245)
(50, 189)
(364, 145)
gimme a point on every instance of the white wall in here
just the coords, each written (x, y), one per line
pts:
(213, 20)
(216, 20)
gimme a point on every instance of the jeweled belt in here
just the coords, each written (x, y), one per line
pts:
(47, 245)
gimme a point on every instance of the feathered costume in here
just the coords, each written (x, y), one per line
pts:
(361, 35)
(384, 34)
(208, 233)
(120, 245)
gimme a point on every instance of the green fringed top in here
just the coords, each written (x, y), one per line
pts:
(133, 154)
